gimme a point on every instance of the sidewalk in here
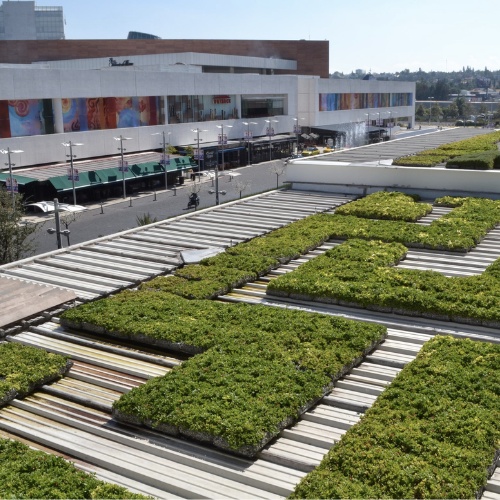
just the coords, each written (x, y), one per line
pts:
(227, 174)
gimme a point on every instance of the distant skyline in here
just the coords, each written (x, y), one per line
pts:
(384, 36)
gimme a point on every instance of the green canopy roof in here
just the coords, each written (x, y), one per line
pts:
(149, 168)
(61, 183)
(182, 162)
(114, 175)
(21, 179)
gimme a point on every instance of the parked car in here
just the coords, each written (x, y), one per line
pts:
(312, 151)
(293, 157)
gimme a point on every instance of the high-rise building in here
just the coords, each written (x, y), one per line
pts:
(26, 21)
(137, 35)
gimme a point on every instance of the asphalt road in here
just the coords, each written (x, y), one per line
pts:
(120, 216)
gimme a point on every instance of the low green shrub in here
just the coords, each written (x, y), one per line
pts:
(460, 229)
(419, 161)
(386, 205)
(27, 473)
(481, 161)
(357, 272)
(431, 157)
(432, 433)
(261, 365)
(24, 367)
(211, 324)
(486, 142)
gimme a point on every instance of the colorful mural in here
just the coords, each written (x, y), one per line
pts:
(28, 117)
(109, 113)
(342, 102)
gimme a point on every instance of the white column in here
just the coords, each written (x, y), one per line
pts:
(238, 105)
(58, 116)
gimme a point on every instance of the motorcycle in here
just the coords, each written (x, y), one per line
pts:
(194, 200)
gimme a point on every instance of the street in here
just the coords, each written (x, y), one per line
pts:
(119, 216)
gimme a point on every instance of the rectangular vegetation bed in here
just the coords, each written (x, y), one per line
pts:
(387, 205)
(260, 370)
(27, 473)
(24, 368)
(433, 433)
(457, 150)
(359, 273)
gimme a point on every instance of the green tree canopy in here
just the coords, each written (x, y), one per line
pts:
(16, 237)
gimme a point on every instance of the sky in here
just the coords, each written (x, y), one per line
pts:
(382, 35)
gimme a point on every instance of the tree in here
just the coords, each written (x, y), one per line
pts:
(420, 112)
(482, 109)
(171, 150)
(436, 111)
(278, 169)
(241, 186)
(189, 151)
(16, 237)
(467, 109)
(496, 113)
(67, 218)
(451, 111)
(463, 106)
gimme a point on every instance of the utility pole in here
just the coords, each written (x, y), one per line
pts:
(197, 130)
(71, 156)
(121, 139)
(163, 144)
(8, 152)
(248, 138)
(270, 131)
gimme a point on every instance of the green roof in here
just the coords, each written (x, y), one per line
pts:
(109, 175)
(182, 162)
(113, 175)
(61, 183)
(149, 168)
(21, 179)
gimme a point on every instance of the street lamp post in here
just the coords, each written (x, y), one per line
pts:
(379, 127)
(71, 156)
(197, 130)
(121, 139)
(368, 126)
(390, 121)
(217, 169)
(8, 152)
(430, 107)
(270, 134)
(163, 144)
(298, 130)
(248, 138)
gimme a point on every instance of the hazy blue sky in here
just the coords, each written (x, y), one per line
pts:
(378, 34)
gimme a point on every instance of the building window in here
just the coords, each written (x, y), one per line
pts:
(199, 108)
(258, 107)
(341, 102)
(101, 113)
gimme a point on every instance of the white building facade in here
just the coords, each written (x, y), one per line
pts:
(43, 106)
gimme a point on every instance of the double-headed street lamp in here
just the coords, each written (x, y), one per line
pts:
(164, 149)
(197, 130)
(248, 137)
(221, 141)
(430, 107)
(8, 152)
(121, 139)
(297, 130)
(71, 156)
(390, 124)
(270, 133)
